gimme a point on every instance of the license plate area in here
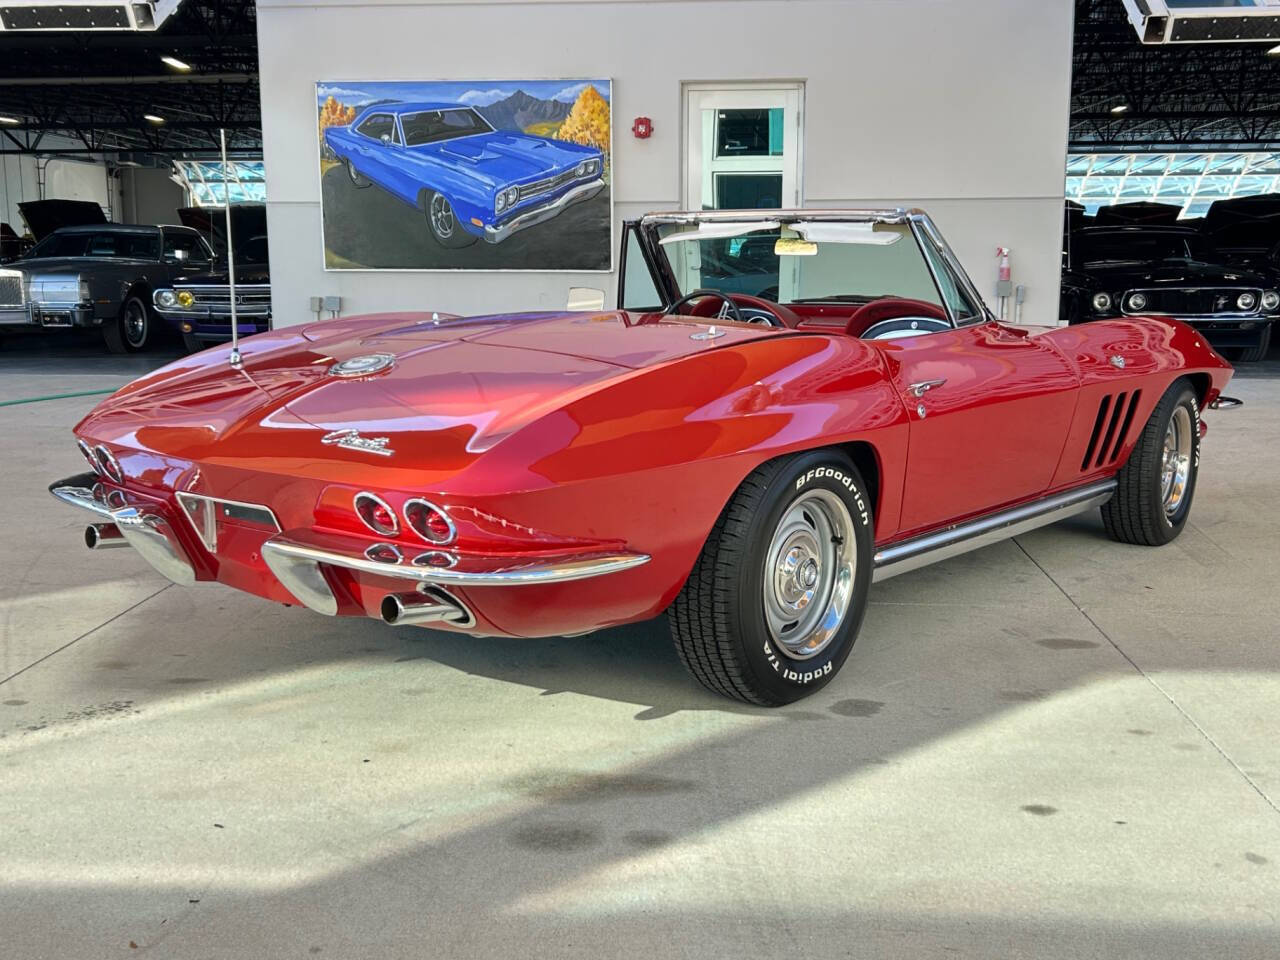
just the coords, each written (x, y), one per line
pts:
(209, 516)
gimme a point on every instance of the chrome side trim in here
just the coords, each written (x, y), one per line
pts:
(942, 545)
(298, 567)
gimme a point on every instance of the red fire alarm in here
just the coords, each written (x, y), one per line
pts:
(642, 128)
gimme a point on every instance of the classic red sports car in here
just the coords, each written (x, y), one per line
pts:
(787, 406)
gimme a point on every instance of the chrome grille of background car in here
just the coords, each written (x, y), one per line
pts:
(1192, 301)
(249, 299)
(539, 187)
(11, 290)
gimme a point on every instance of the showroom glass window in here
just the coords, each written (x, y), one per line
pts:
(379, 126)
(432, 126)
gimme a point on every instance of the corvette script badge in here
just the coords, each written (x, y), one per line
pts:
(351, 440)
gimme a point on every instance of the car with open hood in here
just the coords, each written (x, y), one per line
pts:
(747, 465)
(470, 181)
(101, 277)
(1136, 270)
(199, 305)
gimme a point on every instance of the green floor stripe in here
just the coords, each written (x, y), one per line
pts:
(56, 396)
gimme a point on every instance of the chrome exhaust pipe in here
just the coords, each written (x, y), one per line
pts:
(399, 609)
(102, 536)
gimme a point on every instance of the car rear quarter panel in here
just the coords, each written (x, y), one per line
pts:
(652, 459)
(1155, 351)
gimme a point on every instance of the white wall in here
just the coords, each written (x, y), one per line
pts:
(65, 179)
(957, 107)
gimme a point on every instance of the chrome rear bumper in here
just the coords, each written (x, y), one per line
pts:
(300, 566)
(146, 531)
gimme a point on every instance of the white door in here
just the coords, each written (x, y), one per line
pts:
(743, 145)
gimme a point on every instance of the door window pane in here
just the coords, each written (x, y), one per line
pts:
(749, 133)
(748, 191)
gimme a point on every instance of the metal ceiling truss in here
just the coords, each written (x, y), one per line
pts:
(98, 88)
(1183, 97)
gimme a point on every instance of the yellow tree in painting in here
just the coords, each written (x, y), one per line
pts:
(588, 120)
(334, 114)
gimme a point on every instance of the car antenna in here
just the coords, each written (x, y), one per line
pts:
(235, 360)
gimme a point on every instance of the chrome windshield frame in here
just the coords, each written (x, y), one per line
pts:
(923, 230)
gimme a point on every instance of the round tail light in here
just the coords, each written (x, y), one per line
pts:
(429, 522)
(110, 468)
(376, 515)
(87, 452)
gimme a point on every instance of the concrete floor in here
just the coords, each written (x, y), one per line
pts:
(1055, 747)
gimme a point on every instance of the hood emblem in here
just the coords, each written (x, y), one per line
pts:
(352, 440)
(363, 366)
(711, 333)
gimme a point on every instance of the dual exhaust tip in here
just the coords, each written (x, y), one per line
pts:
(428, 605)
(103, 536)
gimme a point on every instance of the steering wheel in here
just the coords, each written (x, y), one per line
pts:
(733, 312)
(777, 315)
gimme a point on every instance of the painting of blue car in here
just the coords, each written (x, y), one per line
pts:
(491, 167)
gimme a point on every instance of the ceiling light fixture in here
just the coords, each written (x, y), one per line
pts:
(175, 63)
(9, 120)
(153, 118)
(1120, 108)
(1274, 51)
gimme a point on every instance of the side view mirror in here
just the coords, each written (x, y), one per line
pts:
(386, 139)
(585, 299)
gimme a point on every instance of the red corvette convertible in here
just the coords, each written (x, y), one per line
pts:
(786, 407)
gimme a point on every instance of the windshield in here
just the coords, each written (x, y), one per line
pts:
(801, 262)
(1133, 247)
(432, 126)
(111, 244)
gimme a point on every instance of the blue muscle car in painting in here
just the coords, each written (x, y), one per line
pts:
(469, 180)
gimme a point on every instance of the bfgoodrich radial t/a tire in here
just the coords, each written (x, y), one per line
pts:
(1155, 487)
(773, 605)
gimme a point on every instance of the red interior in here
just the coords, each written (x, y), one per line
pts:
(828, 317)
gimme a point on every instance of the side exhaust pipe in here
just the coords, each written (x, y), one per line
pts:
(102, 536)
(436, 606)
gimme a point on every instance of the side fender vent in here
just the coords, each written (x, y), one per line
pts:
(1110, 429)
(1123, 435)
(1098, 424)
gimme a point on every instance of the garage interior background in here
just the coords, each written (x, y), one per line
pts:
(878, 123)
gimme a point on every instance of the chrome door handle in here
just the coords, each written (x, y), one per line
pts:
(924, 386)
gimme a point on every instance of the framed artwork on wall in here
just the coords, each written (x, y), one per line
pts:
(466, 175)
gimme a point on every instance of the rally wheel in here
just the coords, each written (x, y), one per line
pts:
(443, 223)
(774, 602)
(357, 178)
(1155, 487)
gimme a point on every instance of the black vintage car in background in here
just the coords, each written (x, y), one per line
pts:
(1145, 269)
(198, 304)
(102, 276)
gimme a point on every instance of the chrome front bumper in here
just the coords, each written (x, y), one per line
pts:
(300, 566)
(538, 215)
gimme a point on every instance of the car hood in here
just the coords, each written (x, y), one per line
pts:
(509, 156)
(75, 264)
(1173, 274)
(253, 273)
(454, 390)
